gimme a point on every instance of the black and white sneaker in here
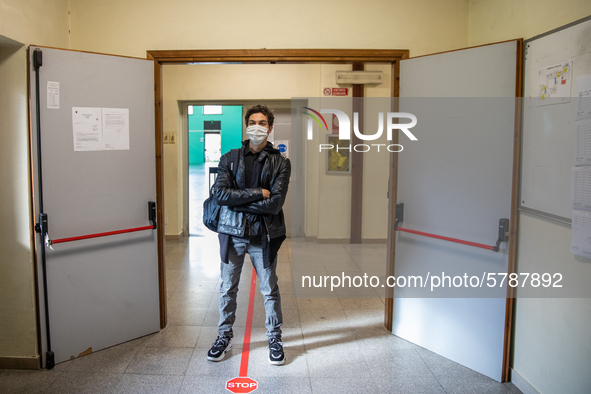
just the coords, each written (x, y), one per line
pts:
(219, 348)
(276, 355)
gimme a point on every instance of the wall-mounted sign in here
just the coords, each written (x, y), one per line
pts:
(98, 129)
(336, 91)
(53, 95)
(283, 146)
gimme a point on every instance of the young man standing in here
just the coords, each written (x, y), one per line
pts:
(258, 190)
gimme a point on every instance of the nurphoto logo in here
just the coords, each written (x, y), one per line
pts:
(345, 129)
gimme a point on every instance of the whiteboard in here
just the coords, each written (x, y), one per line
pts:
(548, 131)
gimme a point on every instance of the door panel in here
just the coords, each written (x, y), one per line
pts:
(101, 291)
(456, 181)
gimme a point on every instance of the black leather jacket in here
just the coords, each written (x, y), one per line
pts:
(274, 177)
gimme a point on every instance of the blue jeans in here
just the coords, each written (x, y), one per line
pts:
(230, 274)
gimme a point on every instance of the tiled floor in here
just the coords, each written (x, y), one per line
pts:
(333, 345)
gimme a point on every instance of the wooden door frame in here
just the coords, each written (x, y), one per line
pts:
(322, 56)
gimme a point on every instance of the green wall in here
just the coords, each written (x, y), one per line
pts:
(231, 119)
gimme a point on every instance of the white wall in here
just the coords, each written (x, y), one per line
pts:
(500, 20)
(552, 344)
(16, 268)
(376, 165)
(130, 28)
(552, 340)
(37, 22)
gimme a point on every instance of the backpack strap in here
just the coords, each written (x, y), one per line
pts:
(234, 158)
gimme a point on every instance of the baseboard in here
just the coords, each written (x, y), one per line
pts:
(522, 384)
(346, 240)
(173, 237)
(333, 240)
(374, 241)
(20, 362)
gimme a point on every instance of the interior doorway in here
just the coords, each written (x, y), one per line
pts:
(202, 144)
(212, 131)
(300, 56)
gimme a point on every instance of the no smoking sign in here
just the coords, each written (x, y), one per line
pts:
(336, 92)
(242, 385)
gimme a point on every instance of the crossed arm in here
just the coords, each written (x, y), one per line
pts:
(273, 204)
(255, 199)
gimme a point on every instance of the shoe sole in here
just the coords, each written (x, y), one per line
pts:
(277, 362)
(221, 357)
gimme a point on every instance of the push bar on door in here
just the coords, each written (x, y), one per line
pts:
(151, 216)
(503, 232)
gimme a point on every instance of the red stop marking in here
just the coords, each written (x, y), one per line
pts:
(242, 385)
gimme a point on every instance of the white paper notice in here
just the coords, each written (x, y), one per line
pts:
(584, 97)
(283, 146)
(581, 176)
(581, 188)
(555, 82)
(583, 142)
(116, 128)
(581, 236)
(88, 135)
(53, 95)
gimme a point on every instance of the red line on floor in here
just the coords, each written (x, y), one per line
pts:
(248, 330)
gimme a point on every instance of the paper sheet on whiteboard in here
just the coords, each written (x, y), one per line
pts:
(554, 82)
(583, 142)
(581, 234)
(584, 97)
(87, 126)
(581, 188)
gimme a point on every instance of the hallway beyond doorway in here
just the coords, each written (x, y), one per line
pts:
(199, 185)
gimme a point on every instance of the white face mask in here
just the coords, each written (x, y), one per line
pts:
(256, 134)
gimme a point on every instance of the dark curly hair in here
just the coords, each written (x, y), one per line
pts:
(259, 109)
